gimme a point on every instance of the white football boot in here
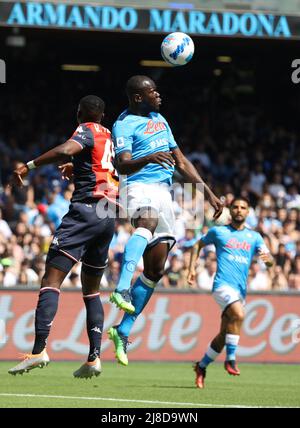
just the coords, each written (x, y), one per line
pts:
(30, 362)
(89, 369)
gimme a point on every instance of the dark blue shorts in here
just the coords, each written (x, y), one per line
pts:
(81, 236)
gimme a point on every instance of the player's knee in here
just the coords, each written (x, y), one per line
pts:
(154, 274)
(92, 270)
(47, 281)
(237, 316)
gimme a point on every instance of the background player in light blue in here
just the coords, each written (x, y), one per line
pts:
(147, 154)
(235, 245)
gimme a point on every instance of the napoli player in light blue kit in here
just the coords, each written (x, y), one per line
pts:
(146, 156)
(236, 245)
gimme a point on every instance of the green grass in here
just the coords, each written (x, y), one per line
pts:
(258, 385)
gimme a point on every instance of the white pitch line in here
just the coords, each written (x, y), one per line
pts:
(124, 400)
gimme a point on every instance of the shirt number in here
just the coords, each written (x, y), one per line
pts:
(107, 155)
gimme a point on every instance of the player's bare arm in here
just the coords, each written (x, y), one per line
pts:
(194, 255)
(189, 172)
(126, 165)
(57, 154)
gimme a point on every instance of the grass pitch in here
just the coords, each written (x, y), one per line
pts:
(150, 385)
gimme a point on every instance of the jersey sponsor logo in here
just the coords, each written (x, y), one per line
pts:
(238, 259)
(159, 143)
(153, 127)
(237, 245)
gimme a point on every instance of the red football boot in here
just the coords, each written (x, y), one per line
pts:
(200, 375)
(232, 368)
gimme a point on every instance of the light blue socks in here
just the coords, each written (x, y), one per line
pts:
(231, 342)
(209, 357)
(134, 249)
(141, 292)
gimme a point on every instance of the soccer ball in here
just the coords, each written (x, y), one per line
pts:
(177, 49)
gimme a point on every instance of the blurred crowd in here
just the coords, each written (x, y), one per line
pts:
(236, 149)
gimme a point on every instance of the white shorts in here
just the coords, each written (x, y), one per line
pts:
(157, 196)
(225, 295)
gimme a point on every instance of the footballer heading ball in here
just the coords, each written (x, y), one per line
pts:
(177, 49)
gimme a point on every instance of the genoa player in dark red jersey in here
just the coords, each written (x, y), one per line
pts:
(84, 234)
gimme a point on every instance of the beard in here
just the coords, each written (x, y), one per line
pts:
(238, 220)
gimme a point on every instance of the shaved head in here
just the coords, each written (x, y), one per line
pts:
(136, 84)
(143, 95)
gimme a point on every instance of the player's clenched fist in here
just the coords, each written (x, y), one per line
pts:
(216, 204)
(161, 158)
(19, 173)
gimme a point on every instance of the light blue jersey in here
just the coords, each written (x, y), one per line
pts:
(142, 136)
(235, 250)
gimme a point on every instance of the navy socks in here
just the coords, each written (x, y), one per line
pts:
(44, 315)
(94, 323)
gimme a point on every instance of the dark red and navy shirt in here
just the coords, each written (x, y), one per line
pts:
(94, 173)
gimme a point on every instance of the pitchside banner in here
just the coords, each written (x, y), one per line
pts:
(130, 19)
(173, 327)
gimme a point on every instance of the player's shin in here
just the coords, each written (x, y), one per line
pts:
(142, 290)
(94, 324)
(134, 250)
(44, 315)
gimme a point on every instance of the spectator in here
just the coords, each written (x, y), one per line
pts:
(4, 227)
(257, 180)
(206, 277)
(9, 276)
(294, 278)
(27, 275)
(258, 280)
(172, 277)
(279, 280)
(276, 188)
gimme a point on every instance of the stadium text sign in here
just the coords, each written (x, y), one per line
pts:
(173, 327)
(109, 18)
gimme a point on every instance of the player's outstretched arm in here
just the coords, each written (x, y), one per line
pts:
(126, 165)
(57, 154)
(189, 172)
(194, 254)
